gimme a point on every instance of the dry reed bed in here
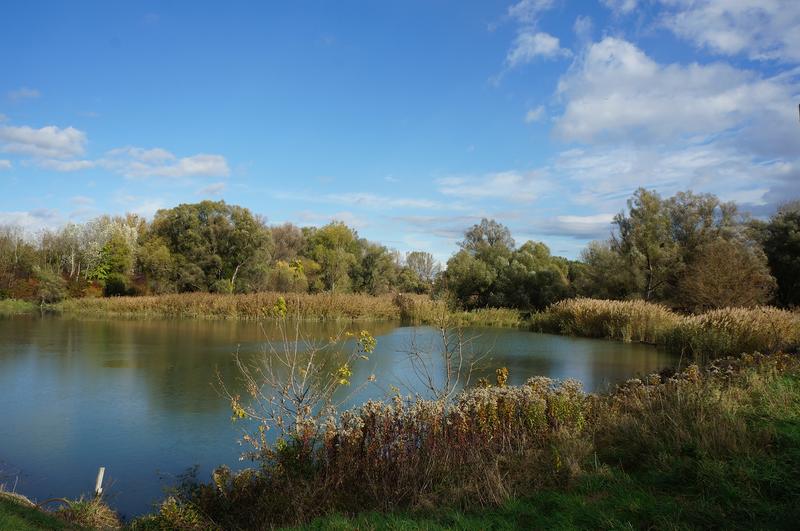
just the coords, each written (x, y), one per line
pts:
(419, 309)
(238, 306)
(487, 445)
(724, 332)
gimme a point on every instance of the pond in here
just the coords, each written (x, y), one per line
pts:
(136, 396)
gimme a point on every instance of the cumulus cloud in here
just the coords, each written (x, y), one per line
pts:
(32, 221)
(508, 186)
(532, 44)
(23, 93)
(758, 29)
(135, 162)
(46, 142)
(617, 92)
(5, 165)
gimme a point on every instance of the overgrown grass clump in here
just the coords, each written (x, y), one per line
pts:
(21, 514)
(723, 332)
(735, 330)
(16, 307)
(421, 309)
(712, 447)
(634, 320)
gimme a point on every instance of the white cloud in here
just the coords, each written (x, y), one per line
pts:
(534, 115)
(603, 177)
(66, 165)
(508, 185)
(32, 221)
(23, 93)
(616, 92)
(368, 200)
(621, 7)
(137, 162)
(47, 142)
(529, 10)
(381, 202)
(212, 189)
(529, 45)
(583, 28)
(585, 227)
(758, 29)
(5, 165)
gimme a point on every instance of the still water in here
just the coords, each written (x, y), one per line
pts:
(136, 396)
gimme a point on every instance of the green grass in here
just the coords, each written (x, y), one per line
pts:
(16, 516)
(16, 307)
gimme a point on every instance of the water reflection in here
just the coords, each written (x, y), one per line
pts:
(136, 396)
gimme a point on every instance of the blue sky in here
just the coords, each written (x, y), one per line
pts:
(408, 120)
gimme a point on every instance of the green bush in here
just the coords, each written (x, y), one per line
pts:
(116, 285)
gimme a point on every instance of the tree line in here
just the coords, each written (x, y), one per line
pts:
(690, 251)
(207, 246)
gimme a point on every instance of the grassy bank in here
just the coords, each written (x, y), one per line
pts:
(724, 332)
(16, 307)
(20, 514)
(703, 448)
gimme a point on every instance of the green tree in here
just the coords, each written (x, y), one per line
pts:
(488, 235)
(646, 241)
(781, 240)
(605, 274)
(533, 278)
(213, 241)
(470, 279)
(157, 264)
(335, 248)
(376, 272)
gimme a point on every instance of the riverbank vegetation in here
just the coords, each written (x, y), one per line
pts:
(676, 251)
(721, 332)
(726, 434)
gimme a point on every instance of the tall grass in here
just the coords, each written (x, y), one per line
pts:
(16, 307)
(239, 306)
(717, 333)
(421, 309)
(418, 309)
(491, 444)
(622, 320)
(731, 331)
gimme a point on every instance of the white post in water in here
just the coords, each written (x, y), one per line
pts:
(98, 487)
